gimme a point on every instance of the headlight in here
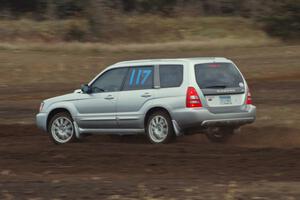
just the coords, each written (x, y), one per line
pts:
(41, 106)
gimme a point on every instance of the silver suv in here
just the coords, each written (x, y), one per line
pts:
(161, 98)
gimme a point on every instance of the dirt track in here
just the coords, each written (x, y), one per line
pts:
(262, 162)
(106, 167)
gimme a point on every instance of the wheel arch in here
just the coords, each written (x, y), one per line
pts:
(155, 109)
(54, 112)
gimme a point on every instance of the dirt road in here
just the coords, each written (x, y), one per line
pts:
(102, 167)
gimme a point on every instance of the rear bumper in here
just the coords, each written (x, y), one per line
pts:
(41, 121)
(227, 122)
(201, 117)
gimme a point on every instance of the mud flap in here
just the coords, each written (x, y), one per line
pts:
(177, 129)
(77, 132)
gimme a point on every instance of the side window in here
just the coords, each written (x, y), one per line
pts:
(170, 75)
(139, 78)
(110, 81)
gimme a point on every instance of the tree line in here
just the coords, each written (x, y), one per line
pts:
(278, 17)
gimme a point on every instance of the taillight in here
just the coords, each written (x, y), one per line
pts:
(192, 98)
(249, 98)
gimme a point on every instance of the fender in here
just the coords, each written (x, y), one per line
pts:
(68, 105)
(160, 103)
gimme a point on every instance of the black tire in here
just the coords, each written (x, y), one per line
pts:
(219, 134)
(169, 136)
(66, 116)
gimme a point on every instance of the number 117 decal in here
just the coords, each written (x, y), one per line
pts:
(141, 78)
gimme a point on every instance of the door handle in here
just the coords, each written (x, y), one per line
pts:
(109, 97)
(146, 95)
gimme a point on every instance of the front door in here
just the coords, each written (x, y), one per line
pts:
(98, 110)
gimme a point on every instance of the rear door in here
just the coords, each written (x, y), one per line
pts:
(221, 84)
(137, 90)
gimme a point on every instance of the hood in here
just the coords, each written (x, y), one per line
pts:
(66, 97)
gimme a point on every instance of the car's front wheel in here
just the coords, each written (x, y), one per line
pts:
(159, 128)
(61, 128)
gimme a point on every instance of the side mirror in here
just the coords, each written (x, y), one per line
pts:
(86, 89)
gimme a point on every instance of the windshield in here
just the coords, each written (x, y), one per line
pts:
(218, 75)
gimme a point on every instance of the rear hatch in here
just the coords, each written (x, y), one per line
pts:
(222, 86)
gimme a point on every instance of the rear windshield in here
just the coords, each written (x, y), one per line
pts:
(218, 75)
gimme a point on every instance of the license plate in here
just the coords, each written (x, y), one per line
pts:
(225, 100)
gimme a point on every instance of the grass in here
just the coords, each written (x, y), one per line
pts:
(39, 31)
(134, 34)
(87, 47)
(154, 28)
(136, 29)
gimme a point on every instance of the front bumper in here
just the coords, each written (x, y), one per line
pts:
(41, 121)
(201, 117)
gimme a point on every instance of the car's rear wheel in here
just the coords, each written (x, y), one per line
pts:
(61, 128)
(219, 134)
(159, 128)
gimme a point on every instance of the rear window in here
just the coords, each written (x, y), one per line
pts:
(170, 75)
(218, 75)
